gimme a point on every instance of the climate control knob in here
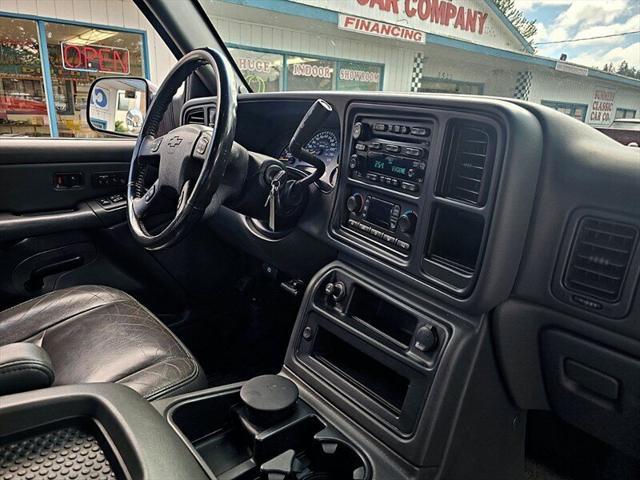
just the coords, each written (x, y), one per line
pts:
(355, 203)
(407, 222)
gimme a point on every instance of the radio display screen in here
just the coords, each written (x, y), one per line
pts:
(392, 166)
(379, 212)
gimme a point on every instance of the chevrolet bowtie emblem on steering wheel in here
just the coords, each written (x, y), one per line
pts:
(174, 141)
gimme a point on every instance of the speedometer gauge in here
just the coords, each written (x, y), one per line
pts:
(324, 145)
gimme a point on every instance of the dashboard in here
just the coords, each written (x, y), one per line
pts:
(483, 208)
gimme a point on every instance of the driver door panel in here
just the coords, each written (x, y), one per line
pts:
(55, 235)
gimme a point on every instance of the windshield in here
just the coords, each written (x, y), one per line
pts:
(579, 57)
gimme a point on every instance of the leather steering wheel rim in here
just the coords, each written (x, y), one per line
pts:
(179, 150)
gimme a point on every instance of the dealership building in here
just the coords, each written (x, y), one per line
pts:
(51, 50)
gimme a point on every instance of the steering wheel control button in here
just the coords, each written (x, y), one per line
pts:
(202, 144)
(150, 193)
(269, 399)
(155, 146)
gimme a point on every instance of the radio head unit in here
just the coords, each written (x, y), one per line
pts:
(392, 153)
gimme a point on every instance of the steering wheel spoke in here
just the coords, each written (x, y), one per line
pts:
(150, 146)
(141, 205)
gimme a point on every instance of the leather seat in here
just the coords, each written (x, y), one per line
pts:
(99, 334)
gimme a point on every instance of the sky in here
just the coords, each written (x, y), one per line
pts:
(569, 19)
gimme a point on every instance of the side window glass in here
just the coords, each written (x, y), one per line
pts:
(77, 56)
(47, 65)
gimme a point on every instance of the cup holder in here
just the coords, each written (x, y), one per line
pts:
(240, 436)
(327, 458)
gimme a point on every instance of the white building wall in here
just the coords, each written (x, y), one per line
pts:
(250, 27)
(116, 13)
(549, 85)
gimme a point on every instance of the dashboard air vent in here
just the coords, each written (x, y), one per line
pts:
(195, 116)
(599, 258)
(468, 162)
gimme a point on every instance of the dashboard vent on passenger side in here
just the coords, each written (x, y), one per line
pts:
(599, 258)
(194, 116)
(468, 162)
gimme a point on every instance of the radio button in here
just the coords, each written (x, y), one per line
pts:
(392, 148)
(372, 176)
(361, 147)
(396, 128)
(420, 131)
(389, 239)
(413, 152)
(395, 182)
(353, 223)
(403, 245)
(411, 187)
(380, 127)
(375, 146)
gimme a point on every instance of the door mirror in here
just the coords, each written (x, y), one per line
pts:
(118, 105)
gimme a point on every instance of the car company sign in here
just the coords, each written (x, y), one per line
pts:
(412, 20)
(602, 107)
(380, 29)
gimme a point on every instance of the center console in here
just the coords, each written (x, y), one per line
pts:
(387, 164)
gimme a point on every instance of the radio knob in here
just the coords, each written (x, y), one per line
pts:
(407, 222)
(360, 131)
(355, 203)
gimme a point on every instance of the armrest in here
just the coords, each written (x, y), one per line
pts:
(24, 366)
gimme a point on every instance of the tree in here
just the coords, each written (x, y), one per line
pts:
(622, 69)
(526, 27)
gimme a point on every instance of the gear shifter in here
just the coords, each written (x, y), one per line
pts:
(313, 119)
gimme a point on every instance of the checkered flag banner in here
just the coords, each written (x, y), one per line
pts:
(416, 74)
(523, 86)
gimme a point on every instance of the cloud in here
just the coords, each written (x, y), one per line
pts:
(531, 4)
(560, 33)
(598, 59)
(586, 13)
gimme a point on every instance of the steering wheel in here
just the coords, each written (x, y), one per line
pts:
(191, 159)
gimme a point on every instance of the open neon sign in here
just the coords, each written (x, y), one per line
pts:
(95, 58)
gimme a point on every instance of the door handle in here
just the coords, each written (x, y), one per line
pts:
(36, 279)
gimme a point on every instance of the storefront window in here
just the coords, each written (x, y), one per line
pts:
(310, 74)
(78, 55)
(435, 85)
(263, 71)
(23, 108)
(625, 113)
(575, 110)
(359, 76)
